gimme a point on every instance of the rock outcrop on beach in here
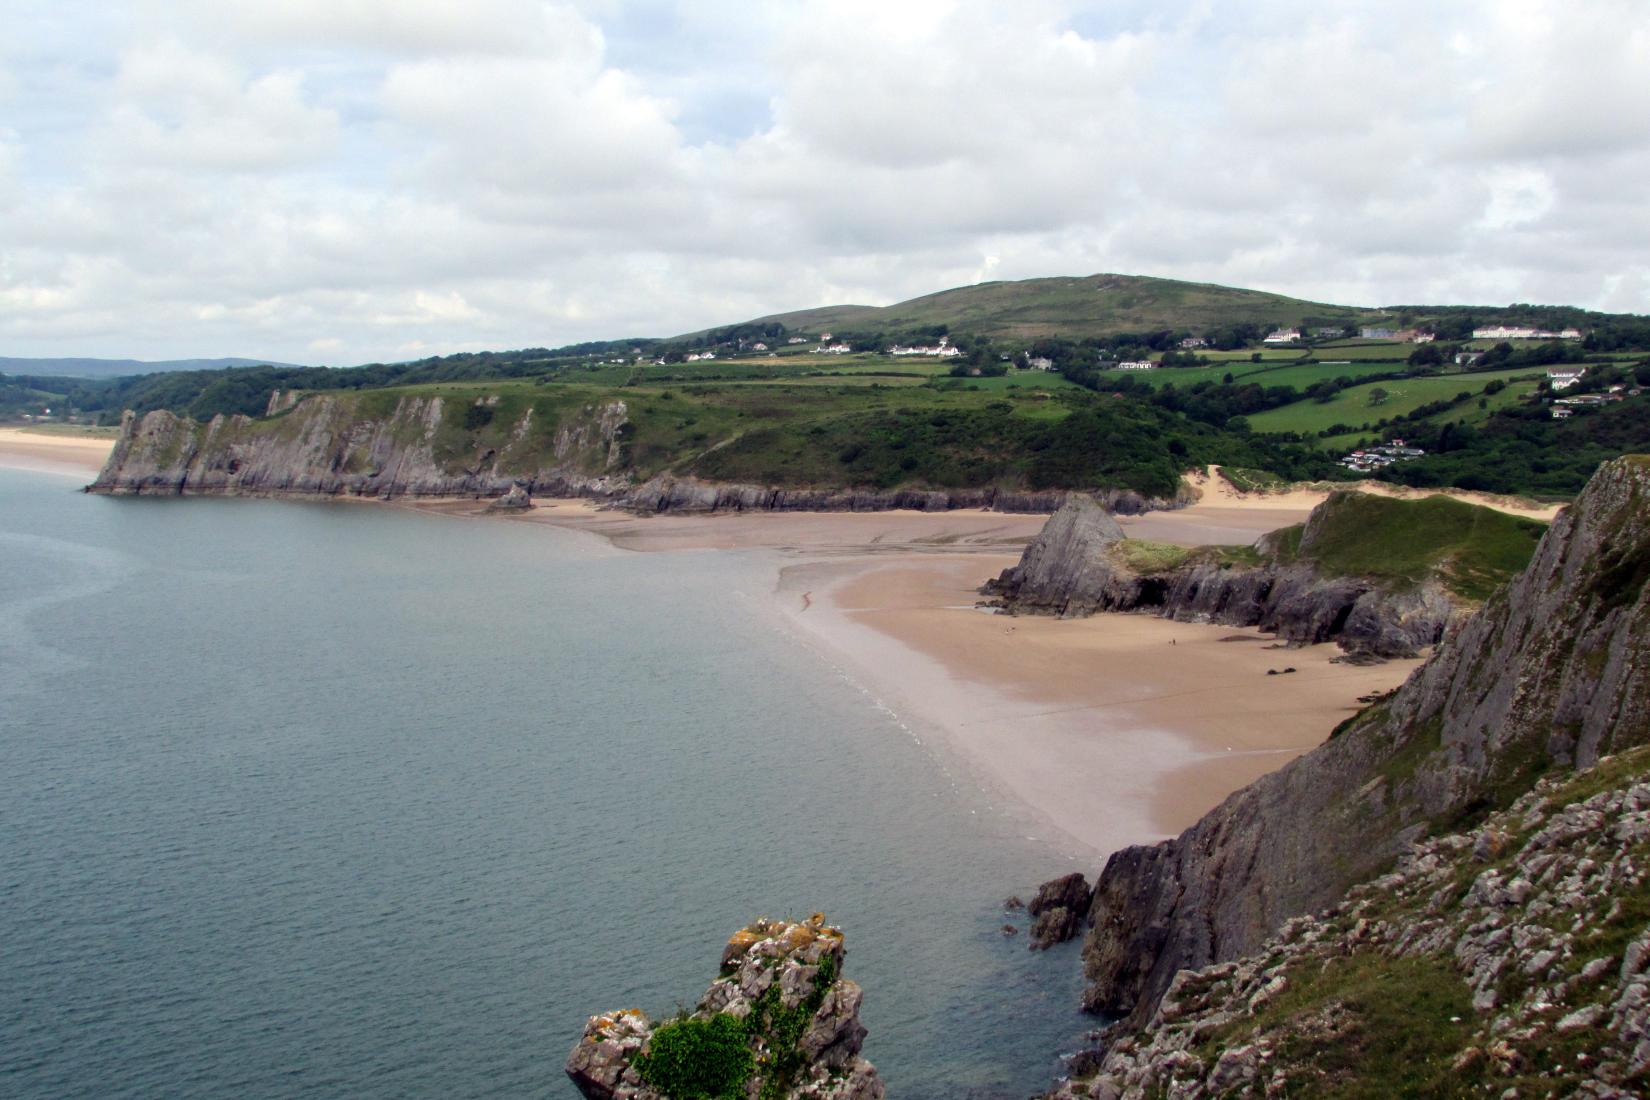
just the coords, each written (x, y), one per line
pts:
(1551, 675)
(1508, 959)
(779, 1022)
(1081, 563)
(516, 500)
(439, 446)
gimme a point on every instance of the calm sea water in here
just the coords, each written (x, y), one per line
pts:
(317, 800)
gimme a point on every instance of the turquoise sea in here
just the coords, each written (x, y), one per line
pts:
(322, 800)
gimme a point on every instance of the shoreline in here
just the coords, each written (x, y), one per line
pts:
(1107, 731)
(1112, 730)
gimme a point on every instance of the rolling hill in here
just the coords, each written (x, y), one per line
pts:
(1092, 305)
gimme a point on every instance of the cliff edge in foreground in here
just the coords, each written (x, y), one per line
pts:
(779, 1023)
(1552, 674)
(1512, 959)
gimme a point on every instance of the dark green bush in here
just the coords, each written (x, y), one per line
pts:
(693, 1059)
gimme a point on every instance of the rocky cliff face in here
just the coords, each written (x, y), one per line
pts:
(326, 445)
(1511, 959)
(1552, 674)
(1081, 564)
(780, 1023)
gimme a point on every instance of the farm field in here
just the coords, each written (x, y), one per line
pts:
(1351, 406)
(1468, 413)
(1266, 374)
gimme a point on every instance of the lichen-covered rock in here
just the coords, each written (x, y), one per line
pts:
(1469, 969)
(780, 993)
(1552, 673)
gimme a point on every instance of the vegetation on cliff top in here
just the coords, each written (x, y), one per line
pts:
(1468, 548)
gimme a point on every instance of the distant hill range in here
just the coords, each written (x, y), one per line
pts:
(1075, 307)
(121, 368)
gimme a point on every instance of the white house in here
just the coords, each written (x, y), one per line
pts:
(759, 347)
(1564, 379)
(1136, 364)
(1194, 342)
(1283, 336)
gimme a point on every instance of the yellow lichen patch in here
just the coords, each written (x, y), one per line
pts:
(796, 937)
(741, 941)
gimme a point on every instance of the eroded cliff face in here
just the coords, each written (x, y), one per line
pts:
(1080, 564)
(780, 1022)
(335, 445)
(1551, 674)
(326, 445)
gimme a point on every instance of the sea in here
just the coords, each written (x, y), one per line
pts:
(326, 800)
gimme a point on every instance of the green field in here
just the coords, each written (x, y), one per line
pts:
(1352, 405)
(1274, 373)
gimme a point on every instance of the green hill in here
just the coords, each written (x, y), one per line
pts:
(1092, 305)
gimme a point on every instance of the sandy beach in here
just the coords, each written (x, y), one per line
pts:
(1099, 732)
(54, 452)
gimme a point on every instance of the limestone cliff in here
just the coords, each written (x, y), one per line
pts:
(1552, 674)
(1296, 583)
(1509, 959)
(333, 444)
(779, 1023)
(330, 445)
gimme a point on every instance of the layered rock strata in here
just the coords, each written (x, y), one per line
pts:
(1552, 674)
(780, 1022)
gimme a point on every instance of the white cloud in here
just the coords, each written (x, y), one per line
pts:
(372, 179)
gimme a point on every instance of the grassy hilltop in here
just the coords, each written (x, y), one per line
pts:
(1093, 305)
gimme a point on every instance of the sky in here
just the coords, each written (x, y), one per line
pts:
(344, 181)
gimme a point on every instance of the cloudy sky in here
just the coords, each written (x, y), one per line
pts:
(336, 181)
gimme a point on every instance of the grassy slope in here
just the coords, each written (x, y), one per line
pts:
(1094, 305)
(1351, 406)
(1470, 549)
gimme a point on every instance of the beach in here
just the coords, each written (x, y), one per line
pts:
(55, 452)
(1101, 732)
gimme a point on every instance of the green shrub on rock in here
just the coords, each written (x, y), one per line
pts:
(698, 1059)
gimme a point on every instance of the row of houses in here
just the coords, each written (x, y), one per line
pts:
(941, 350)
(1521, 332)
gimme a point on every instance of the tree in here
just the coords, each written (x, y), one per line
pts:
(1378, 396)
